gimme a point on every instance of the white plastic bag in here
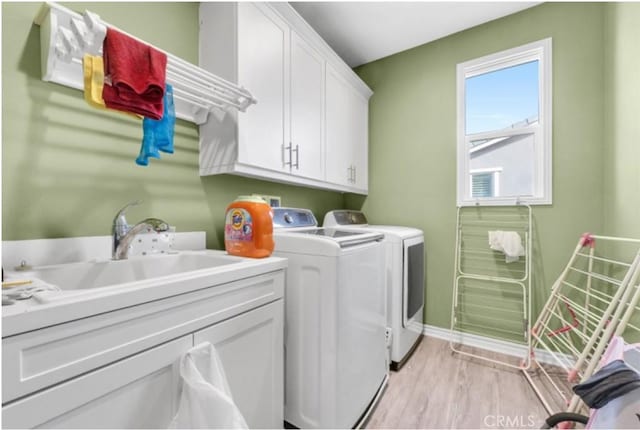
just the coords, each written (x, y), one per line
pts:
(206, 400)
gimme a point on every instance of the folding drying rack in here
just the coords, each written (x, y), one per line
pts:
(595, 298)
(491, 298)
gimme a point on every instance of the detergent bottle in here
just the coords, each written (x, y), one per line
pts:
(248, 228)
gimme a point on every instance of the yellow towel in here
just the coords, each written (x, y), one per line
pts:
(93, 68)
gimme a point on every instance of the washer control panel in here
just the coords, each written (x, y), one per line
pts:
(293, 217)
(344, 217)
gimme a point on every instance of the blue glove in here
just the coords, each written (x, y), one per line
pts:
(148, 148)
(158, 135)
(165, 129)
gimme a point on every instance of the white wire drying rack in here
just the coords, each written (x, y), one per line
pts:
(491, 298)
(595, 298)
(65, 36)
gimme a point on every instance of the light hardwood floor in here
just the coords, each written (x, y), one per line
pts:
(439, 389)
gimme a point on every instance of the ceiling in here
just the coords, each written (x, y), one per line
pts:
(361, 32)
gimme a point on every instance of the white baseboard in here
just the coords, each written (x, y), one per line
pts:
(494, 345)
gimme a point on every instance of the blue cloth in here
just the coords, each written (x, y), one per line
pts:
(158, 135)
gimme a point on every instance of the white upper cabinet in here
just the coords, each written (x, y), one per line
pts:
(307, 110)
(270, 50)
(361, 142)
(347, 134)
(249, 44)
(263, 39)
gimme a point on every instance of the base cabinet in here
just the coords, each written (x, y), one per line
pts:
(142, 390)
(138, 392)
(251, 348)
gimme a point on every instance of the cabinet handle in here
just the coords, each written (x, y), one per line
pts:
(352, 174)
(290, 155)
(355, 174)
(284, 163)
(284, 148)
(297, 165)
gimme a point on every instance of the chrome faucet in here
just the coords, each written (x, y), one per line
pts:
(122, 233)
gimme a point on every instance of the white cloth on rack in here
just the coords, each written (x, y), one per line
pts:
(206, 400)
(508, 242)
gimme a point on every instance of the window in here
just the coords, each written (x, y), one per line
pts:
(482, 185)
(485, 183)
(504, 127)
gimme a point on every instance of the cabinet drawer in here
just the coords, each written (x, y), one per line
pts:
(38, 359)
(138, 392)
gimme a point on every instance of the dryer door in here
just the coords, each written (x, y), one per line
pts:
(413, 282)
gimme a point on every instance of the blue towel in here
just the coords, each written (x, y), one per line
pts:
(158, 135)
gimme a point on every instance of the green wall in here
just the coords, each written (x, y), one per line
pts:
(622, 120)
(413, 140)
(67, 168)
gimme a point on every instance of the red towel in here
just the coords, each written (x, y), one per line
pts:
(137, 74)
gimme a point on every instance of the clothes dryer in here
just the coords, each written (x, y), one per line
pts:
(404, 267)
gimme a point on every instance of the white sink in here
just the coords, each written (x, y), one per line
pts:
(63, 292)
(95, 274)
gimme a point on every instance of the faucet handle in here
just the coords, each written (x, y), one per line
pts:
(120, 224)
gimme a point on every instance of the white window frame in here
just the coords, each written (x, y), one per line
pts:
(542, 188)
(495, 180)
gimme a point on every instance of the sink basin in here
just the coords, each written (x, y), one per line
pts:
(95, 274)
(64, 292)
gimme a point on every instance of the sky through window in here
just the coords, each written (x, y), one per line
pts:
(501, 98)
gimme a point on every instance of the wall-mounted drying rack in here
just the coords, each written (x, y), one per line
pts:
(65, 36)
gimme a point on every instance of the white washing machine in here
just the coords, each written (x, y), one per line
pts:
(404, 276)
(335, 349)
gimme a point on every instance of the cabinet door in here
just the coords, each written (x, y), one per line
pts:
(360, 141)
(263, 68)
(339, 154)
(307, 110)
(138, 392)
(251, 348)
(346, 132)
